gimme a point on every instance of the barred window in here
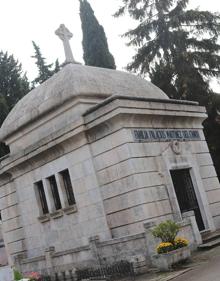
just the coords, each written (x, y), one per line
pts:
(55, 193)
(42, 197)
(68, 187)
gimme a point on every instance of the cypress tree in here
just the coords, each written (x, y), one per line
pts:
(13, 83)
(95, 46)
(4, 110)
(45, 71)
(57, 66)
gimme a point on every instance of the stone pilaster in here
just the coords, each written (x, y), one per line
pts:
(49, 252)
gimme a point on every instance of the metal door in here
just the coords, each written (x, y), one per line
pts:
(186, 195)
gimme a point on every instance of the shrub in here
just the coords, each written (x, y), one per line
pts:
(17, 275)
(166, 231)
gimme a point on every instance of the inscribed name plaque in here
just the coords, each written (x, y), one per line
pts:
(149, 135)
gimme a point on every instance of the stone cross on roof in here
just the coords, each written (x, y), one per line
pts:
(65, 35)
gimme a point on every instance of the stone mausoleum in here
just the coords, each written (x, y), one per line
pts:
(97, 156)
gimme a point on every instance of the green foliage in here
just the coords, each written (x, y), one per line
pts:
(178, 48)
(13, 86)
(212, 130)
(57, 66)
(17, 275)
(4, 109)
(45, 71)
(166, 231)
(13, 83)
(95, 46)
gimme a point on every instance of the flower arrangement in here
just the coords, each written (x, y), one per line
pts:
(180, 242)
(29, 276)
(167, 232)
(166, 247)
(33, 276)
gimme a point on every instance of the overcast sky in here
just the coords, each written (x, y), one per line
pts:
(22, 21)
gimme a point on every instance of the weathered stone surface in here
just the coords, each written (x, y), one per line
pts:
(135, 198)
(131, 183)
(217, 221)
(72, 81)
(7, 189)
(8, 201)
(12, 224)
(213, 196)
(10, 212)
(139, 213)
(207, 171)
(126, 168)
(215, 209)
(164, 262)
(204, 159)
(14, 235)
(119, 183)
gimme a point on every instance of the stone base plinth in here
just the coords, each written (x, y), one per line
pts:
(164, 262)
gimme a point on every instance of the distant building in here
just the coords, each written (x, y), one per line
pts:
(96, 156)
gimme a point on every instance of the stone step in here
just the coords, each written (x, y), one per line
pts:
(99, 278)
(205, 232)
(96, 279)
(210, 244)
(210, 236)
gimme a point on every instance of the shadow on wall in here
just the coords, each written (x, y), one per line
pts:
(3, 257)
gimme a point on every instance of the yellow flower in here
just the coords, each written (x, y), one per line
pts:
(164, 247)
(180, 242)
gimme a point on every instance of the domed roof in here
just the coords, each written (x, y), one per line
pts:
(72, 81)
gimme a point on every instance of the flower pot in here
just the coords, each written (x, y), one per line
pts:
(164, 262)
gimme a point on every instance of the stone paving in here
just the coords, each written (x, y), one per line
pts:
(162, 276)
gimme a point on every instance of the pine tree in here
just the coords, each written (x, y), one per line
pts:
(95, 46)
(13, 86)
(176, 46)
(45, 71)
